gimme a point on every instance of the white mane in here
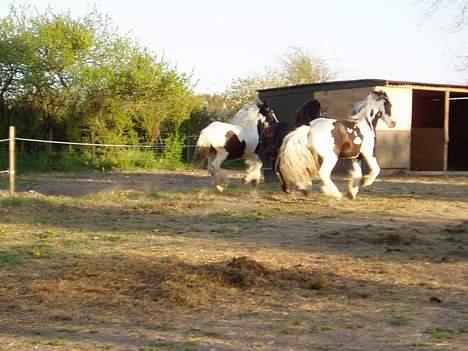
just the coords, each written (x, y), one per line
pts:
(246, 115)
(361, 109)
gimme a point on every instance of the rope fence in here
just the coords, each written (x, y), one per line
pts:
(100, 145)
(13, 138)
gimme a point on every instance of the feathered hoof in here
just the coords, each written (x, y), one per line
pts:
(331, 193)
(304, 192)
(351, 196)
(220, 188)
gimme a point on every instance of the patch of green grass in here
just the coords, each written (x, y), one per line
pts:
(399, 321)
(104, 347)
(320, 329)
(229, 213)
(114, 238)
(354, 326)
(16, 256)
(258, 215)
(159, 345)
(189, 346)
(19, 201)
(10, 258)
(297, 322)
(441, 333)
(48, 234)
(420, 344)
(57, 342)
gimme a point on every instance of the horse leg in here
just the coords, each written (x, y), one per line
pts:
(328, 187)
(209, 166)
(356, 175)
(368, 179)
(220, 177)
(254, 169)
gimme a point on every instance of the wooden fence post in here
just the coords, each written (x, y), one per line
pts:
(12, 163)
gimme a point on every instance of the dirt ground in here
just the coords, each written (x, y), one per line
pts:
(160, 261)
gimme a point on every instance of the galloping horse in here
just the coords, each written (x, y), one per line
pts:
(236, 140)
(316, 148)
(273, 136)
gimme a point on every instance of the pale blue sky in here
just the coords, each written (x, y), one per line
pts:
(223, 40)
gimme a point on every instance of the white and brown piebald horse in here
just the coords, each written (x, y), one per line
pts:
(239, 139)
(315, 149)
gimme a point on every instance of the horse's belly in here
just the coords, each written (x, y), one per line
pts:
(234, 146)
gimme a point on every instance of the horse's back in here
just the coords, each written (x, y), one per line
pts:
(217, 132)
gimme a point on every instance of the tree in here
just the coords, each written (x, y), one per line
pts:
(300, 67)
(458, 9)
(295, 67)
(78, 79)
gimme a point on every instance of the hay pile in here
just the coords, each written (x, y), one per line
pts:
(108, 283)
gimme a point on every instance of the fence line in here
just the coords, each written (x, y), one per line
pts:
(85, 144)
(13, 138)
(91, 144)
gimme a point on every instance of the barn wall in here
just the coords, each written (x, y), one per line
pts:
(338, 103)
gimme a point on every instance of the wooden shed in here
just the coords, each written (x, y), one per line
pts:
(432, 119)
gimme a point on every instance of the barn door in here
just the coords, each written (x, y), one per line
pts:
(428, 131)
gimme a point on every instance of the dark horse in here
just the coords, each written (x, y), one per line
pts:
(273, 136)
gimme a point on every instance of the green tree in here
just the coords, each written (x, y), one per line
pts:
(78, 79)
(296, 66)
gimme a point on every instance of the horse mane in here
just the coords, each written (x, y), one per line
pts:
(357, 108)
(247, 114)
(309, 111)
(356, 113)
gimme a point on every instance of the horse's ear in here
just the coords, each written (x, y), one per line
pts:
(260, 103)
(380, 95)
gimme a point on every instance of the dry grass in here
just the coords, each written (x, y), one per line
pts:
(159, 261)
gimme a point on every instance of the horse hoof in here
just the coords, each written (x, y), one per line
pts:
(220, 188)
(351, 196)
(304, 192)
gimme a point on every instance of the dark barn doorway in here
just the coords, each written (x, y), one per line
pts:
(458, 132)
(427, 131)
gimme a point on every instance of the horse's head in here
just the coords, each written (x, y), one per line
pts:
(267, 115)
(382, 108)
(308, 112)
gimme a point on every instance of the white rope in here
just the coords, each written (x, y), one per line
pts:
(7, 171)
(85, 144)
(89, 144)
(1, 141)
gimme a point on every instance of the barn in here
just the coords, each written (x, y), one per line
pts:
(432, 129)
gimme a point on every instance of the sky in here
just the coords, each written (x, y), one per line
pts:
(219, 41)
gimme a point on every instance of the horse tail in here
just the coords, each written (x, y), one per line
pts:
(202, 149)
(281, 177)
(296, 162)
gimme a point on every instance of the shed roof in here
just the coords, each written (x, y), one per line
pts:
(359, 83)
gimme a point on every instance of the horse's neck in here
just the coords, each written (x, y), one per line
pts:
(249, 131)
(367, 123)
(360, 112)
